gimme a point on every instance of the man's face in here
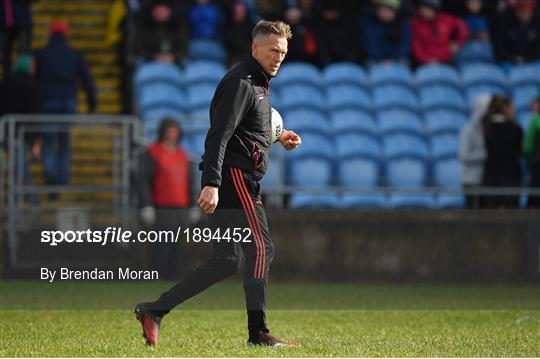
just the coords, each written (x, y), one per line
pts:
(427, 13)
(474, 6)
(524, 15)
(386, 14)
(171, 136)
(269, 51)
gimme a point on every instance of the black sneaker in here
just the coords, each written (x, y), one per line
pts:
(149, 322)
(267, 340)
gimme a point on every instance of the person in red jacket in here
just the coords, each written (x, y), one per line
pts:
(436, 36)
(164, 194)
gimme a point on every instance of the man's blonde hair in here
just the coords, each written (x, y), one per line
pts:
(265, 28)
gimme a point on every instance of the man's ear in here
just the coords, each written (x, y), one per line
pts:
(254, 45)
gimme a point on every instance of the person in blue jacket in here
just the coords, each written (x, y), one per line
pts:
(387, 36)
(58, 70)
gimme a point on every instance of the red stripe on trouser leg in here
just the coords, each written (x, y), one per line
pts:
(257, 224)
(245, 205)
(259, 243)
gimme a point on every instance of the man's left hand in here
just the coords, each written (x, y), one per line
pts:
(290, 140)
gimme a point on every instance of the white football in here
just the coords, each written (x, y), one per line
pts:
(276, 125)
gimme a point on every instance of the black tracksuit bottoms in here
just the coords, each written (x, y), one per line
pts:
(239, 206)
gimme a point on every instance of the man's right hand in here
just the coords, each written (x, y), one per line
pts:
(208, 200)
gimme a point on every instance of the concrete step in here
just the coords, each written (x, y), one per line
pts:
(79, 44)
(77, 5)
(75, 31)
(95, 20)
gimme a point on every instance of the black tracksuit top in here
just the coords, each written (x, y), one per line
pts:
(239, 134)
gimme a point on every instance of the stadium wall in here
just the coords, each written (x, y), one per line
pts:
(353, 245)
(453, 246)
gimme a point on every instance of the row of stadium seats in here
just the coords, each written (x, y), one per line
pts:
(163, 92)
(349, 73)
(378, 129)
(211, 50)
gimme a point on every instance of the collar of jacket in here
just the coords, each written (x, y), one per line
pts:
(257, 71)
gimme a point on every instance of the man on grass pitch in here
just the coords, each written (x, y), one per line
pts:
(234, 161)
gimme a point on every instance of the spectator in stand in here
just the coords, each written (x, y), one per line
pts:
(205, 20)
(476, 21)
(270, 10)
(532, 151)
(238, 36)
(59, 69)
(15, 24)
(517, 33)
(338, 29)
(162, 30)
(472, 151)
(301, 16)
(436, 36)
(406, 8)
(503, 138)
(387, 37)
(20, 94)
(164, 193)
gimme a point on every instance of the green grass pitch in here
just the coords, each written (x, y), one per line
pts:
(94, 319)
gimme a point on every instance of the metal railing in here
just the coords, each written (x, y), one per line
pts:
(126, 132)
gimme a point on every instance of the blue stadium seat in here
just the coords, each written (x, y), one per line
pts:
(196, 140)
(204, 71)
(441, 97)
(524, 75)
(312, 172)
(209, 50)
(354, 121)
(160, 111)
(344, 73)
(447, 174)
(347, 96)
(392, 121)
(302, 96)
(159, 95)
(302, 120)
(394, 96)
(476, 90)
(200, 96)
(444, 121)
(524, 119)
(195, 125)
(444, 146)
(476, 52)
(313, 145)
(483, 74)
(201, 112)
(404, 145)
(407, 173)
(362, 173)
(437, 75)
(158, 72)
(309, 200)
(275, 174)
(523, 95)
(357, 145)
(298, 73)
(384, 74)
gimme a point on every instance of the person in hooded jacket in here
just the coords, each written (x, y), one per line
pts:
(472, 151)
